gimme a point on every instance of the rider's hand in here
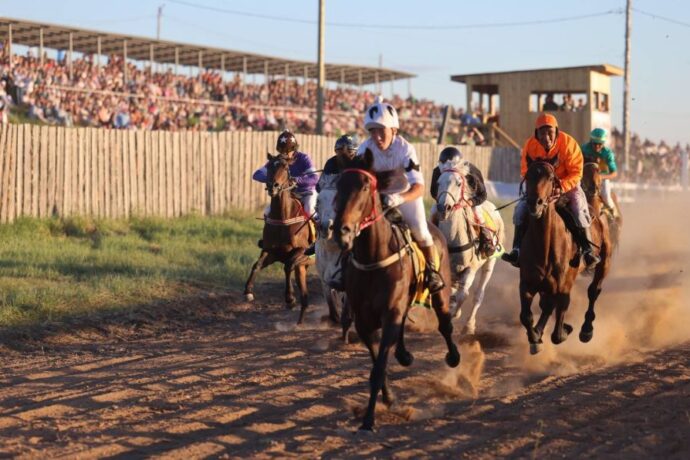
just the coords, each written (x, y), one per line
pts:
(392, 200)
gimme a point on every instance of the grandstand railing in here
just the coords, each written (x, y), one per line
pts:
(56, 171)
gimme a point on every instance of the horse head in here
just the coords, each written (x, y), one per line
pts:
(325, 204)
(356, 202)
(540, 184)
(451, 190)
(591, 180)
(277, 175)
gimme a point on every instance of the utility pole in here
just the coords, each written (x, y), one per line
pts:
(626, 90)
(158, 23)
(322, 67)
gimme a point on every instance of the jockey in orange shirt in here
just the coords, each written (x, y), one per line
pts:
(548, 143)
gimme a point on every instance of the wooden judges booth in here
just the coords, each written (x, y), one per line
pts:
(580, 97)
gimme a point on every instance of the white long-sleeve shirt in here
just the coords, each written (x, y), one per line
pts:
(400, 159)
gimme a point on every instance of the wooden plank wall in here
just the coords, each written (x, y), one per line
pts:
(54, 171)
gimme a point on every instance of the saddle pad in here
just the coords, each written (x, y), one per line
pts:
(422, 297)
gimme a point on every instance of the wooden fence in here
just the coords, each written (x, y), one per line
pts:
(46, 171)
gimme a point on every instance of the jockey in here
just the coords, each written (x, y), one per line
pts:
(394, 154)
(451, 158)
(345, 150)
(301, 171)
(595, 151)
(547, 143)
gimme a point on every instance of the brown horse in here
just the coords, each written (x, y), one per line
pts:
(550, 261)
(380, 282)
(285, 235)
(591, 184)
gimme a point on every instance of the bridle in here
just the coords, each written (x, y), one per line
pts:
(590, 189)
(555, 183)
(373, 216)
(285, 186)
(460, 201)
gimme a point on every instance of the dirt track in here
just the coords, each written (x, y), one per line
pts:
(221, 377)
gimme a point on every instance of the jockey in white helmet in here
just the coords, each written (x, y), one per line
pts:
(394, 155)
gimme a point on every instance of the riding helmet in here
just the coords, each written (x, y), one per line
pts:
(449, 154)
(381, 115)
(347, 142)
(287, 142)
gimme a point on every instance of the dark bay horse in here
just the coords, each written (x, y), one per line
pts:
(285, 234)
(591, 184)
(380, 280)
(550, 261)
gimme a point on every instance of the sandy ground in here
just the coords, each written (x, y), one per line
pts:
(217, 377)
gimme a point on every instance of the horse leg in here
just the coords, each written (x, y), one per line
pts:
(546, 305)
(260, 263)
(289, 292)
(303, 290)
(465, 280)
(403, 356)
(562, 329)
(593, 291)
(345, 315)
(445, 327)
(484, 277)
(332, 302)
(377, 379)
(527, 319)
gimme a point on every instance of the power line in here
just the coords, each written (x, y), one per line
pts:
(663, 18)
(398, 26)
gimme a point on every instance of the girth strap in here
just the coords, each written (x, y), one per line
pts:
(390, 260)
(463, 248)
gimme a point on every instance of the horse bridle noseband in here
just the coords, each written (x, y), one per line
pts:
(373, 215)
(282, 187)
(460, 201)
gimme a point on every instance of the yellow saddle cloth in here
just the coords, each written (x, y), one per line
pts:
(422, 297)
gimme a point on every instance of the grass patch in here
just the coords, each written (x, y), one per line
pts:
(55, 269)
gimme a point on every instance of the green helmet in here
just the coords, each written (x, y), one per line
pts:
(598, 136)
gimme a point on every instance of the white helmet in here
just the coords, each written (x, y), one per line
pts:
(381, 115)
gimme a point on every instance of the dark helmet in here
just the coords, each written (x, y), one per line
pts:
(449, 153)
(347, 143)
(287, 142)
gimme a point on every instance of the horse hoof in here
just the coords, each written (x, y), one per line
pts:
(534, 348)
(405, 358)
(453, 358)
(366, 428)
(586, 336)
(290, 305)
(567, 328)
(249, 297)
(457, 314)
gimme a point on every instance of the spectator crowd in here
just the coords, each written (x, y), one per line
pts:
(101, 96)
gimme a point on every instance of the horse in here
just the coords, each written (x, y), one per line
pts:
(328, 253)
(591, 185)
(380, 281)
(550, 260)
(455, 217)
(285, 235)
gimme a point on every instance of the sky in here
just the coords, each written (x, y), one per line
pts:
(430, 38)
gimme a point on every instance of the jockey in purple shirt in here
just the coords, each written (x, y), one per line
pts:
(301, 170)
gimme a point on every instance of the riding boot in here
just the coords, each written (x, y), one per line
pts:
(513, 257)
(433, 279)
(486, 242)
(585, 242)
(311, 250)
(337, 280)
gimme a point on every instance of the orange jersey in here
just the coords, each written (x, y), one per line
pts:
(570, 160)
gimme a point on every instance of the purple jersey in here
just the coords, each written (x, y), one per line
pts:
(300, 165)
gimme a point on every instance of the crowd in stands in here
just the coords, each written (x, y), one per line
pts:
(104, 97)
(650, 163)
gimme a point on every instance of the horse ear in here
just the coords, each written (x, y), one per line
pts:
(269, 157)
(368, 159)
(529, 160)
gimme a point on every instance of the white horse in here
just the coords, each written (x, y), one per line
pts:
(327, 251)
(454, 217)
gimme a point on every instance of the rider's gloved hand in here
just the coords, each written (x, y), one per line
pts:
(392, 200)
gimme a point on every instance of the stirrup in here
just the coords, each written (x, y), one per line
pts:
(434, 280)
(512, 257)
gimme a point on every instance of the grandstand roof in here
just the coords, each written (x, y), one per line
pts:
(28, 33)
(606, 69)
